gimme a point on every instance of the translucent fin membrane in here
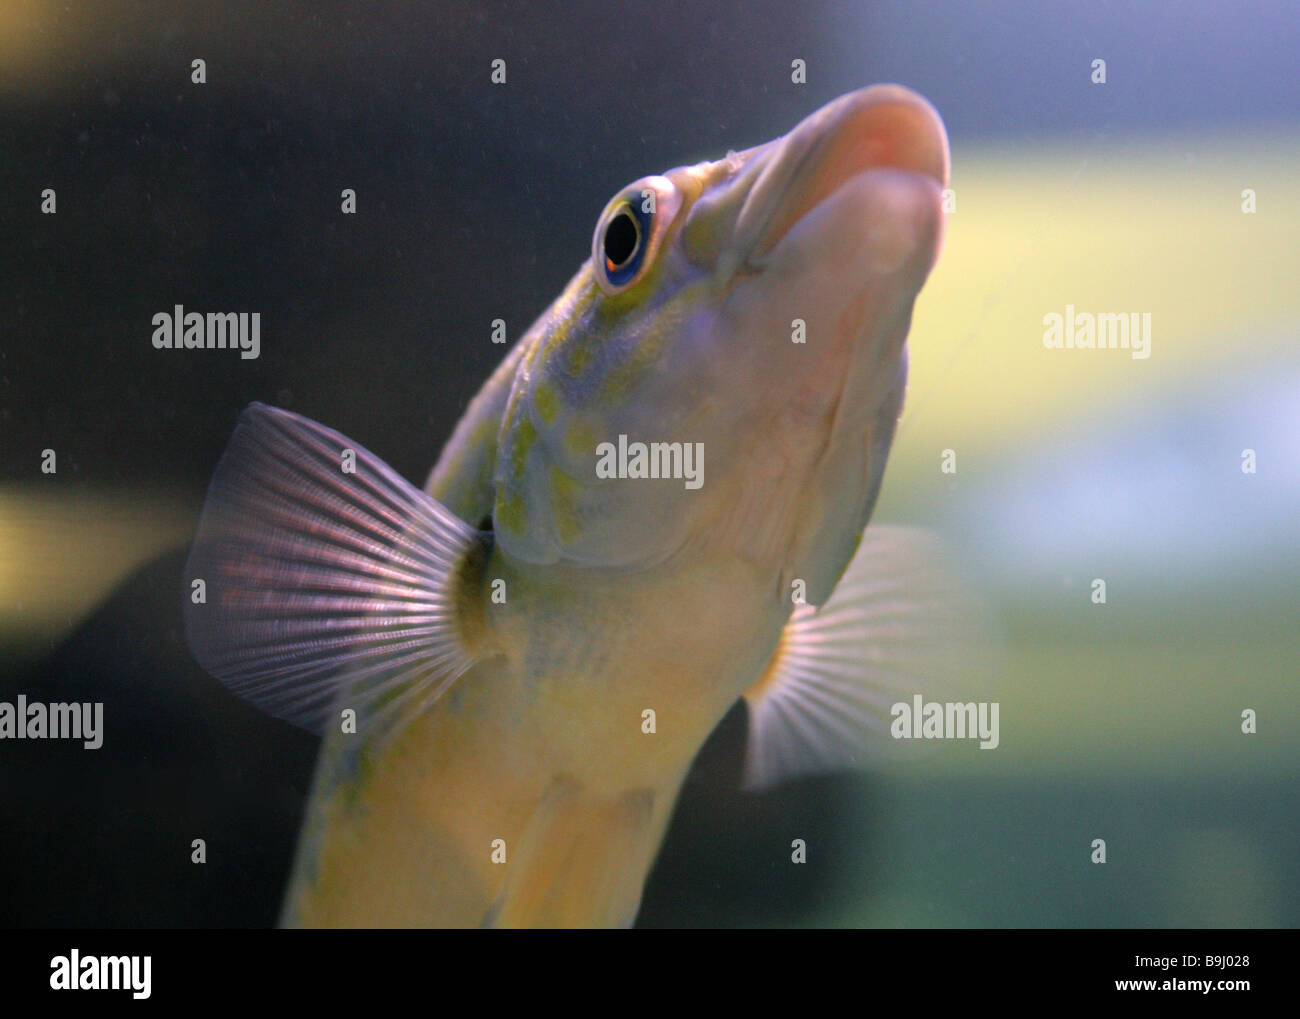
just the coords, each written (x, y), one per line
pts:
(897, 624)
(324, 570)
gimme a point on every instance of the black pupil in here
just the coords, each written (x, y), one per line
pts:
(620, 239)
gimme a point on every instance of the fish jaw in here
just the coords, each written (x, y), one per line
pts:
(824, 410)
(820, 242)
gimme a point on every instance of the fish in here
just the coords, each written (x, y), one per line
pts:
(655, 507)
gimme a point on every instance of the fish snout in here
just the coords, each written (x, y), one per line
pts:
(883, 127)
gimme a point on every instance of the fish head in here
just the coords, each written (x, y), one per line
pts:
(752, 313)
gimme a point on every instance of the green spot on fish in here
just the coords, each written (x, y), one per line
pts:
(547, 401)
(525, 436)
(580, 440)
(511, 513)
(580, 352)
(563, 489)
(571, 310)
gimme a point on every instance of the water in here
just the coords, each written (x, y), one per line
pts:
(475, 202)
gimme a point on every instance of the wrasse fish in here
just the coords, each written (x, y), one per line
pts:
(514, 668)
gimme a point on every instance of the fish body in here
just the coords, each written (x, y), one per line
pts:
(655, 506)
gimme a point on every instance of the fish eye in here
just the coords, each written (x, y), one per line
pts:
(630, 230)
(622, 244)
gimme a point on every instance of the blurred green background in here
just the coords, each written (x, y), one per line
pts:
(1123, 720)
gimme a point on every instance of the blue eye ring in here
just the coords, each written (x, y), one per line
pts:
(631, 230)
(623, 240)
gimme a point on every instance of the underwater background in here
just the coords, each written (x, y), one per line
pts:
(1120, 721)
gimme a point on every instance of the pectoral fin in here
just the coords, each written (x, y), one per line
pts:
(323, 568)
(897, 624)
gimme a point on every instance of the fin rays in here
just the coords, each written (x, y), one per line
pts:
(319, 579)
(896, 624)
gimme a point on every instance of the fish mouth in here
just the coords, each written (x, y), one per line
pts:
(883, 127)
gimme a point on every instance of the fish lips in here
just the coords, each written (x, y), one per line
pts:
(841, 223)
(883, 127)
